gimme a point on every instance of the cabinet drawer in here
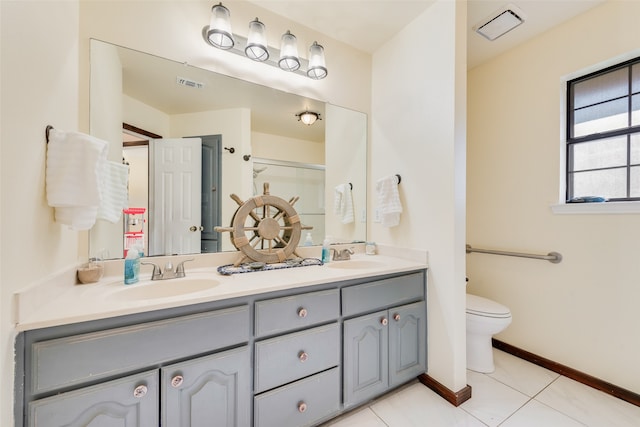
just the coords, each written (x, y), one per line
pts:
(301, 403)
(290, 357)
(92, 356)
(298, 311)
(123, 402)
(382, 293)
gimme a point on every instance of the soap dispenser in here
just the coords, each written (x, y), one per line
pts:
(326, 251)
(308, 241)
(131, 267)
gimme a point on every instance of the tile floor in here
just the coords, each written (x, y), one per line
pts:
(517, 394)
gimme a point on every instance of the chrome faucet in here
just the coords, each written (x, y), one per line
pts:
(342, 255)
(169, 272)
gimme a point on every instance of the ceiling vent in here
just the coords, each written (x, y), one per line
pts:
(500, 22)
(188, 82)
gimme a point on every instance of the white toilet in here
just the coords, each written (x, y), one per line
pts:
(484, 319)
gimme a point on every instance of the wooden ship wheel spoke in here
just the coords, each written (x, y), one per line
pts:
(269, 238)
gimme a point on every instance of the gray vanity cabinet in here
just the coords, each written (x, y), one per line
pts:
(297, 375)
(288, 358)
(127, 402)
(197, 368)
(211, 390)
(366, 357)
(386, 347)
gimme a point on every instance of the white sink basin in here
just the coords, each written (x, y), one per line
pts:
(359, 264)
(163, 288)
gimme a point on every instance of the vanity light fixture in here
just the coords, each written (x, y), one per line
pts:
(218, 34)
(308, 117)
(257, 42)
(289, 60)
(500, 22)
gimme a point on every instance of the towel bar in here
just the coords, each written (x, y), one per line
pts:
(553, 257)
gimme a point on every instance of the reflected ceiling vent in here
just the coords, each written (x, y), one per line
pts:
(188, 82)
(500, 22)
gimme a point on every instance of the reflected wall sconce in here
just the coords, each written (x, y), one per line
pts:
(308, 117)
(218, 34)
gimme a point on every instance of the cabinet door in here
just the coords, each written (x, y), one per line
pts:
(126, 402)
(211, 390)
(366, 367)
(407, 342)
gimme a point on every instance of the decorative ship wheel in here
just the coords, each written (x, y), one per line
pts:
(265, 228)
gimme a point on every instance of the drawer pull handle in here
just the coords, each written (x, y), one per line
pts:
(140, 391)
(177, 381)
(396, 317)
(384, 321)
(302, 407)
(303, 356)
(302, 312)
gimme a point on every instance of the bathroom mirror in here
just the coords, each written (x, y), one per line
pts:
(248, 133)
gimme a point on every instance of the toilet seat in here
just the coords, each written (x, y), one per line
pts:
(479, 306)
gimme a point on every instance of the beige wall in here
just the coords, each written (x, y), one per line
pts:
(49, 84)
(39, 87)
(582, 312)
(418, 131)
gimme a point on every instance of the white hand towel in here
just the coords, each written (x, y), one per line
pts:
(75, 162)
(113, 191)
(343, 203)
(389, 206)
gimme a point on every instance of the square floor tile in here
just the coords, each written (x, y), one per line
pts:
(536, 414)
(358, 418)
(521, 375)
(418, 406)
(588, 405)
(491, 401)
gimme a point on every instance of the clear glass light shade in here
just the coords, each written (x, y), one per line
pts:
(289, 53)
(317, 68)
(219, 34)
(257, 42)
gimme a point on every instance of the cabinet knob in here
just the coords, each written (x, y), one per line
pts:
(177, 381)
(302, 407)
(384, 321)
(303, 356)
(140, 391)
(302, 312)
(396, 317)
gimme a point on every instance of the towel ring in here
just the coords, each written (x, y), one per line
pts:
(351, 186)
(399, 178)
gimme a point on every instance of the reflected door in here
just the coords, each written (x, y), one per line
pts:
(175, 166)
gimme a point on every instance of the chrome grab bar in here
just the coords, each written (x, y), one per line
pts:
(553, 257)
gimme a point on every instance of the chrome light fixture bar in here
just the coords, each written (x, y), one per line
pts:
(218, 34)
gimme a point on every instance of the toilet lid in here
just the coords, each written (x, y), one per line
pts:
(485, 307)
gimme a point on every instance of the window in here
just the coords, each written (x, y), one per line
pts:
(603, 134)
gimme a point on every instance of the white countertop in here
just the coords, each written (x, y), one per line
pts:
(58, 300)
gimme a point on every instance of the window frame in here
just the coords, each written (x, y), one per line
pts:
(627, 131)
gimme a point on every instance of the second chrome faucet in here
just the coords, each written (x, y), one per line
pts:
(169, 272)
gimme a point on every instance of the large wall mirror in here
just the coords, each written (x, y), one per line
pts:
(193, 137)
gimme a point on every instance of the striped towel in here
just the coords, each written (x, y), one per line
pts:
(74, 165)
(389, 206)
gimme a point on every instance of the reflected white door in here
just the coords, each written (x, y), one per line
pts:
(175, 166)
